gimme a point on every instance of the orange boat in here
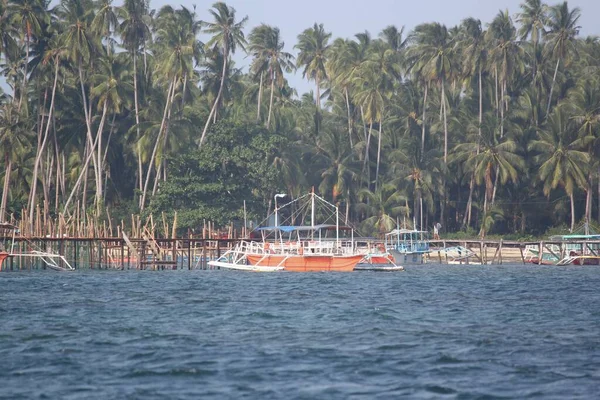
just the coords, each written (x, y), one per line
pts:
(3, 256)
(299, 248)
(306, 263)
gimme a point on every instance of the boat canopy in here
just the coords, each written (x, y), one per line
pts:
(576, 237)
(301, 228)
(404, 231)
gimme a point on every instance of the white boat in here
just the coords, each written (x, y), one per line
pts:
(299, 248)
(53, 261)
(408, 246)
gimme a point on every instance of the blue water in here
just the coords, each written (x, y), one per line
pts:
(452, 332)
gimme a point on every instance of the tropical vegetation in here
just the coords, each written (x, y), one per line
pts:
(110, 110)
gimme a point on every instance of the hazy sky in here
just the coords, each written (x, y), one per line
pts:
(346, 18)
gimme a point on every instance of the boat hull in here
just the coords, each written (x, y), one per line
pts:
(408, 258)
(306, 263)
(3, 256)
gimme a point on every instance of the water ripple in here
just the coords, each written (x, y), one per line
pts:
(457, 332)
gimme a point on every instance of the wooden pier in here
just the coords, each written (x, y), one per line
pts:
(119, 253)
(149, 253)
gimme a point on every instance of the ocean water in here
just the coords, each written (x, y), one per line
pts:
(431, 332)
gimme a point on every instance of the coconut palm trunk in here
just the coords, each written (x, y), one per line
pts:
(44, 140)
(271, 99)
(170, 95)
(213, 110)
(552, 86)
(349, 116)
(260, 90)
(378, 155)
(8, 163)
(423, 122)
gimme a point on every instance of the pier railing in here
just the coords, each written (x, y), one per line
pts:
(192, 253)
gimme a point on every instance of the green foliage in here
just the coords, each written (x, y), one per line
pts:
(211, 184)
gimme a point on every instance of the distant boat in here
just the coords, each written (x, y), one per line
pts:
(408, 246)
(296, 248)
(575, 249)
(53, 261)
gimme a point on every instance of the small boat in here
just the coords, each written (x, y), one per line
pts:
(378, 259)
(53, 261)
(296, 248)
(574, 249)
(408, 246)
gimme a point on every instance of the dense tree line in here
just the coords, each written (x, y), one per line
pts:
(482, 126)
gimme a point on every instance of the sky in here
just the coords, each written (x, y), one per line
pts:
(345, 18)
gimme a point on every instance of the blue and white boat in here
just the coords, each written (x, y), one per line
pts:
(408, 246)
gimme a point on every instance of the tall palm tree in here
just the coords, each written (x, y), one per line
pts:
(14, 139)
(266, 44)
(475, 52)
(313, 44)
(105, 22)
(31, 16)
(135, 32)
(383, 207)
(505, 58)
(533, 19)
(336, 164)
(431, 58)
(498, 159)
(561, 157)
(561, 37)
(585, 103)
(178, 45)
(343, 64)
(82, 46)
(227, 36)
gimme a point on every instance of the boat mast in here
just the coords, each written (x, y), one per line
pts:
(312, 213)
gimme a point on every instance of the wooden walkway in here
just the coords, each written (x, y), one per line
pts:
(190, 253)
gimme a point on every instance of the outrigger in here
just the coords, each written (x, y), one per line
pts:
(49, 259)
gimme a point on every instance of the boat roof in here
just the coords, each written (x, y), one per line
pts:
(401, 231)
(301, 228)
(575, 237)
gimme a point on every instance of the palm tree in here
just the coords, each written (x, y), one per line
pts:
(334, 161)
(382, 207)
(266, 45)
(82, 45)
(561, 158)
(475, 52)
(313, 44)
(505, 58)
(585, 104)
(344, 62)
(431, 59)
(31, 16)
(14, 139)
(561, 42)
(497, 160)
(227, 36)
(176, 41)
(105, 22)
(533, 19)
(135, 32)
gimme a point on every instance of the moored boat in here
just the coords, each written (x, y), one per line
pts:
(53, 261)
(408, 246)
(296, 248)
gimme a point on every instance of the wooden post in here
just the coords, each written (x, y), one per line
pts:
(500, 251)
(541, 252)
(482, 256)
(522, 255)
(189, 248)
(175, 253)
